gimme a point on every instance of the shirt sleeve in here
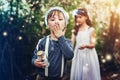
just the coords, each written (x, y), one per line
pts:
(66, 47)
(35, 52)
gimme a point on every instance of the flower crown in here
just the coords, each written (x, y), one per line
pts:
(78, 11)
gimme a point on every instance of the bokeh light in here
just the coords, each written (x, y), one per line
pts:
(5, 33)
(20, 38)
(108, 57)
(103, 60)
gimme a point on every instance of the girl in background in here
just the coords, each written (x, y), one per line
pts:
(85, 64)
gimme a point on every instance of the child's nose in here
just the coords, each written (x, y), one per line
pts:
(56, 21)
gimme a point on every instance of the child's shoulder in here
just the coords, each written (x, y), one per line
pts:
(43, 39)
(68, 40)
(91, 29)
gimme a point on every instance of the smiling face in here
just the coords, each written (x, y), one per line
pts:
(56, 18)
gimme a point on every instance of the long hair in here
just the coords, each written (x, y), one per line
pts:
(83, 12)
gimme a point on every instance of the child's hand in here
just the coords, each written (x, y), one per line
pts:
(82, 47)
(39, 64)
(58, 31)
(86, 46)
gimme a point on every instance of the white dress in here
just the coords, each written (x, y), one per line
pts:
(85, 64)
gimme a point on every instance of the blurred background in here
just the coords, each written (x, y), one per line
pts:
(22, 25)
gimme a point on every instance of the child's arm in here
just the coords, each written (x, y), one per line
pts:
(73, 38)
(92, 41)
(66, 47)
(35, 61)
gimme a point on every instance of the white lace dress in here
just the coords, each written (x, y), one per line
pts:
(85, 64)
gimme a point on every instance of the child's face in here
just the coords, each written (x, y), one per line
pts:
(80, 19)
(56, 19)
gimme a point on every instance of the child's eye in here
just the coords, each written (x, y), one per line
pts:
(52, 19)
(60, 19)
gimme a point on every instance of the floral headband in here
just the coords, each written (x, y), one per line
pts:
(78, 11)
